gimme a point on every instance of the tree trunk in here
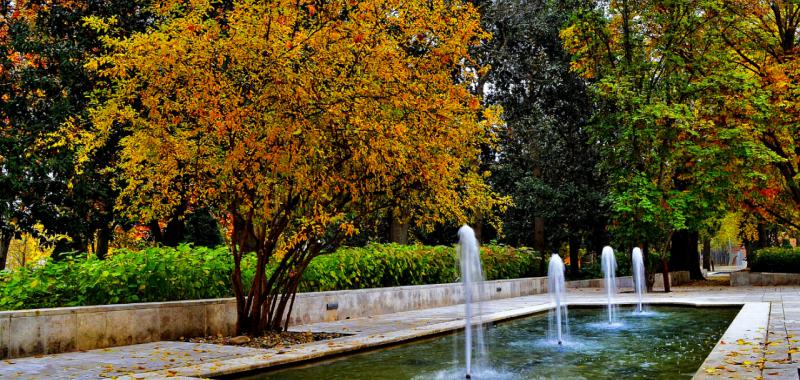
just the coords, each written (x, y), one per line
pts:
(155, 231)
(538, 242)
(695, 273)
(574, 246)
(103, 238)
(398, 228)
(707, 254)
(478, 229)
(650, 275)
(5, 244)
(679, 251)
(665, 274)
(538, 234)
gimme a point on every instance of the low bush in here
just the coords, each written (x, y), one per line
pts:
(185, 272)
(378, 265)
(776, 260)
(150, 275)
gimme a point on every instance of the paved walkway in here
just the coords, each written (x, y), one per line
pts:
(773, 355)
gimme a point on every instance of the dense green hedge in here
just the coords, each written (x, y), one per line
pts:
(154, 274)
(167, 274)
(377, 266)
(776, 260)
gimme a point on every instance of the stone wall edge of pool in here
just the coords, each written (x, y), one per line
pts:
(360, 343)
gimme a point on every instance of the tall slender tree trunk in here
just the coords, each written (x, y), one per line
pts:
(695, 273)
(707, 254)
(477, 227)
(574, 246)
(103, 239)
(665, 274)
(398, 228)
(538, 234)
(5, 244)
(538, 241)
(650, 276)
(679, 250)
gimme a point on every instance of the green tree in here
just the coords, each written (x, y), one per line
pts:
(43, 84)
(544, 158)
(663, 186)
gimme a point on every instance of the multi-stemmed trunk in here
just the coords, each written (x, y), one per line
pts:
(267, 304)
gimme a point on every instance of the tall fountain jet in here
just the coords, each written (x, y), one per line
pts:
(638, 276)
(472, 278)
(609, 266)
(556, 288)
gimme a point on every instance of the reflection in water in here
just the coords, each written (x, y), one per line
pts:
(664, 343)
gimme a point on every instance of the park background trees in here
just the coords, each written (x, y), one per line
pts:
(544, 158)
(688, 114)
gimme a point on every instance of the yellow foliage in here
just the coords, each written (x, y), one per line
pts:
(28, 250)
(298, 118)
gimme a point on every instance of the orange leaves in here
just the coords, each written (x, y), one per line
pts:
(315, 117)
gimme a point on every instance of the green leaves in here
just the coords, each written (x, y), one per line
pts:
(186, 272)
(377, 266)
(777, 260)
(154, 274)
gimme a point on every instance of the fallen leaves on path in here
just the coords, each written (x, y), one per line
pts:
(271, 339)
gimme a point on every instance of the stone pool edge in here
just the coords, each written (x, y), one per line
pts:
(318, 350)
(743, 342)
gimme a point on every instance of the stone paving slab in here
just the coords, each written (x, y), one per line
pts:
(740, 351)
(168, 359)
(119, 361)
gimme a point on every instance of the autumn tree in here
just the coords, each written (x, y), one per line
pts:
(299, 121)
(752, 74)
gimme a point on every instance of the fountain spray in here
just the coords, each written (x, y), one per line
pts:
(638, 275)
(609, 265)
(556, 288)
(472, 278)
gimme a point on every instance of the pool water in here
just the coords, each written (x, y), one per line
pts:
(665, 342)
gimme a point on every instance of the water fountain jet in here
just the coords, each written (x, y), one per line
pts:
(609, 266)
(472, 278)
(556, 288)
(638, 276)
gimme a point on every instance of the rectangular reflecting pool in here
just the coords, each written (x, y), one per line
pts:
(664, 342)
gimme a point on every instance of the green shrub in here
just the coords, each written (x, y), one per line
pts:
(186, 272)
(387, 265)
(776, 260)
(153, 274)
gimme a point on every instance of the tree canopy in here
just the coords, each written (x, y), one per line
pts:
(299, 121)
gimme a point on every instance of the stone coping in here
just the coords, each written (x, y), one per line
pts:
(353, 344)
(214, 301)
(747, 278)
(330, 293)
(742, 343)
